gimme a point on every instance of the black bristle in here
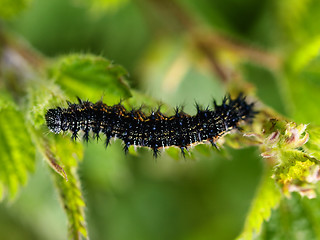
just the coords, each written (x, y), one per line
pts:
(183, 153)
(177, 110)
(86, 136)
(213, 143)
(126, 147)
(79, 100)
(198, 108)
(74, 136)
(155, 152)
(107, 142)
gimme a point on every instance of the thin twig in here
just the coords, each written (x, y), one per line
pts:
(209, 42)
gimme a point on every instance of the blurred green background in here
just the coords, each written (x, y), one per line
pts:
(138, 197)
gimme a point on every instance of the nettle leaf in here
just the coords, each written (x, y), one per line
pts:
(88, 77)
(296, 218)
(16, 147)
(147, 103)
(267, 198)
(313, 145)
(40, 98)
(67, 153)
(91, 77)
(62, 155)
(290, 151)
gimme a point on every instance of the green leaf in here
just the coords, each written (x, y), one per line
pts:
(91, 77)
(41, 97)
(62, 155)
(9, 8)
(16, 147)
(265, 81)
(66, 152)
(304, 84)
(313, 145)
(204, 149)
(174, 153)
(296, 218)
(147, 103)
(267, 198)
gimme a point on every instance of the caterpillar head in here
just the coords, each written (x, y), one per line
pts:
(53, 119)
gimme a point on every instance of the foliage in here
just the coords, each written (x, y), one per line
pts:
(267, 197)
(9, 9)
(18, 153)
(97, 75)
(203, 50)
(98, 6)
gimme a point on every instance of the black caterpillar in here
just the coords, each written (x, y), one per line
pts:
(155, 130)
